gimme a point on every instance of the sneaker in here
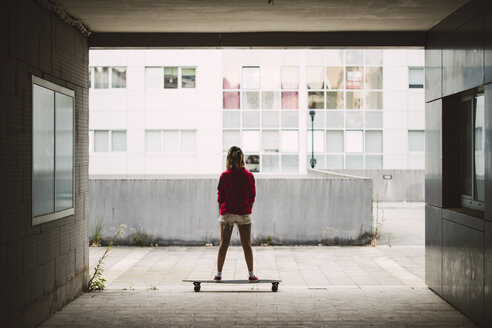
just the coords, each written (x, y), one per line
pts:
(217, 278)
(254, 278)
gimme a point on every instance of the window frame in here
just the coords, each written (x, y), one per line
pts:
(466, 200)
(110, 77)
(55, 215)
(416, 86)
(110, 141)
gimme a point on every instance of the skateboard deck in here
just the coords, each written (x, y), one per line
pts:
(197, 283)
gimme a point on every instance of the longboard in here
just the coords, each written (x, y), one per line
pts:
(197, 283)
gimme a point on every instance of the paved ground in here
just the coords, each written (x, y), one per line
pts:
(322, 286)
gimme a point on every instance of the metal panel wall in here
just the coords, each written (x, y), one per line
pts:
(433, 153)
(433, 248)
(462, 268)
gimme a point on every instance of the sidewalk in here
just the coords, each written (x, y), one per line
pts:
(321, 286)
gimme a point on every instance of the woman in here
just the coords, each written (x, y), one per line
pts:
(236, 195)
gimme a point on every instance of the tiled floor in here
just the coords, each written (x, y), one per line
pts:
(321, 286)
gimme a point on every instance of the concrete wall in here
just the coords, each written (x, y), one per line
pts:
(43, 266)
(292, 210)
(405, 185)
(458, 240)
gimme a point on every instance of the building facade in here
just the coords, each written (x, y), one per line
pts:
(158, 112)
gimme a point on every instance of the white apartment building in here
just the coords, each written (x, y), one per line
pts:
(158, 112)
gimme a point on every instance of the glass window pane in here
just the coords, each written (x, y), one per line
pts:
(270, 119)
(118, 141)
(229, 139)
(354, 142)
(251, 119)
(232, 77)
(334, 77)
(251, 100)
(354, 162)
(334, 100)
(290, 77)
(374, 162)
(334, 142)
(290, 100)
(270, 141)
(374, 78)
(290, 163)
(374, 141)
(479, 149)
(101, 141)
(290, 119)
(170, 77)
(231, 100)
(334, 162)
(315, 78)
(90, 77)
(354, 119)
(252, 162)
(188, 141)
(171, 141)
(373, 57)
(231, 120)
(316, 100)
(251, 141)
(466, 152)
(118, 77)
(290, 141)
(271, 100)
(334, 57)
(353, 56)
(374, 100)
(64, 152)
(335, 119)
(101, 77)
(416, 141)
(152, 141)
(270, 77)
(188, 77)
(416, 77)
(251, 78)
(354, 77)
(374, 120)
(43, 150)
(153, 78)
(319, 141)
(354, 99)
(271, 163)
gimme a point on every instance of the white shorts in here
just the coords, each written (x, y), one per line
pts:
(235, 218)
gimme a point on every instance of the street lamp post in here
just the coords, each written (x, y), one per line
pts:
(313, 160)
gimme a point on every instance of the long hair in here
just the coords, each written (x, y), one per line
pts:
(235, 158)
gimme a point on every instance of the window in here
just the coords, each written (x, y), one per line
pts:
(105, 141)
(416, 141)
(354, 142)
(170, 141)
(170, 77)
(107, 77)
(472, 159)
(415, 77)
(188, 77)
(53, 151)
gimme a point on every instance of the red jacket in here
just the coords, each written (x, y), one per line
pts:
(236, 191)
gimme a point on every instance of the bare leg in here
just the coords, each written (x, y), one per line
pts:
(245, 233)
(225, 238)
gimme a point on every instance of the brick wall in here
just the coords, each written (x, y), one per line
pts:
(42, 267)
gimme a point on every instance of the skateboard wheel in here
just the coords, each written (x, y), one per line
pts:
(197, 289)
(274, 287)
